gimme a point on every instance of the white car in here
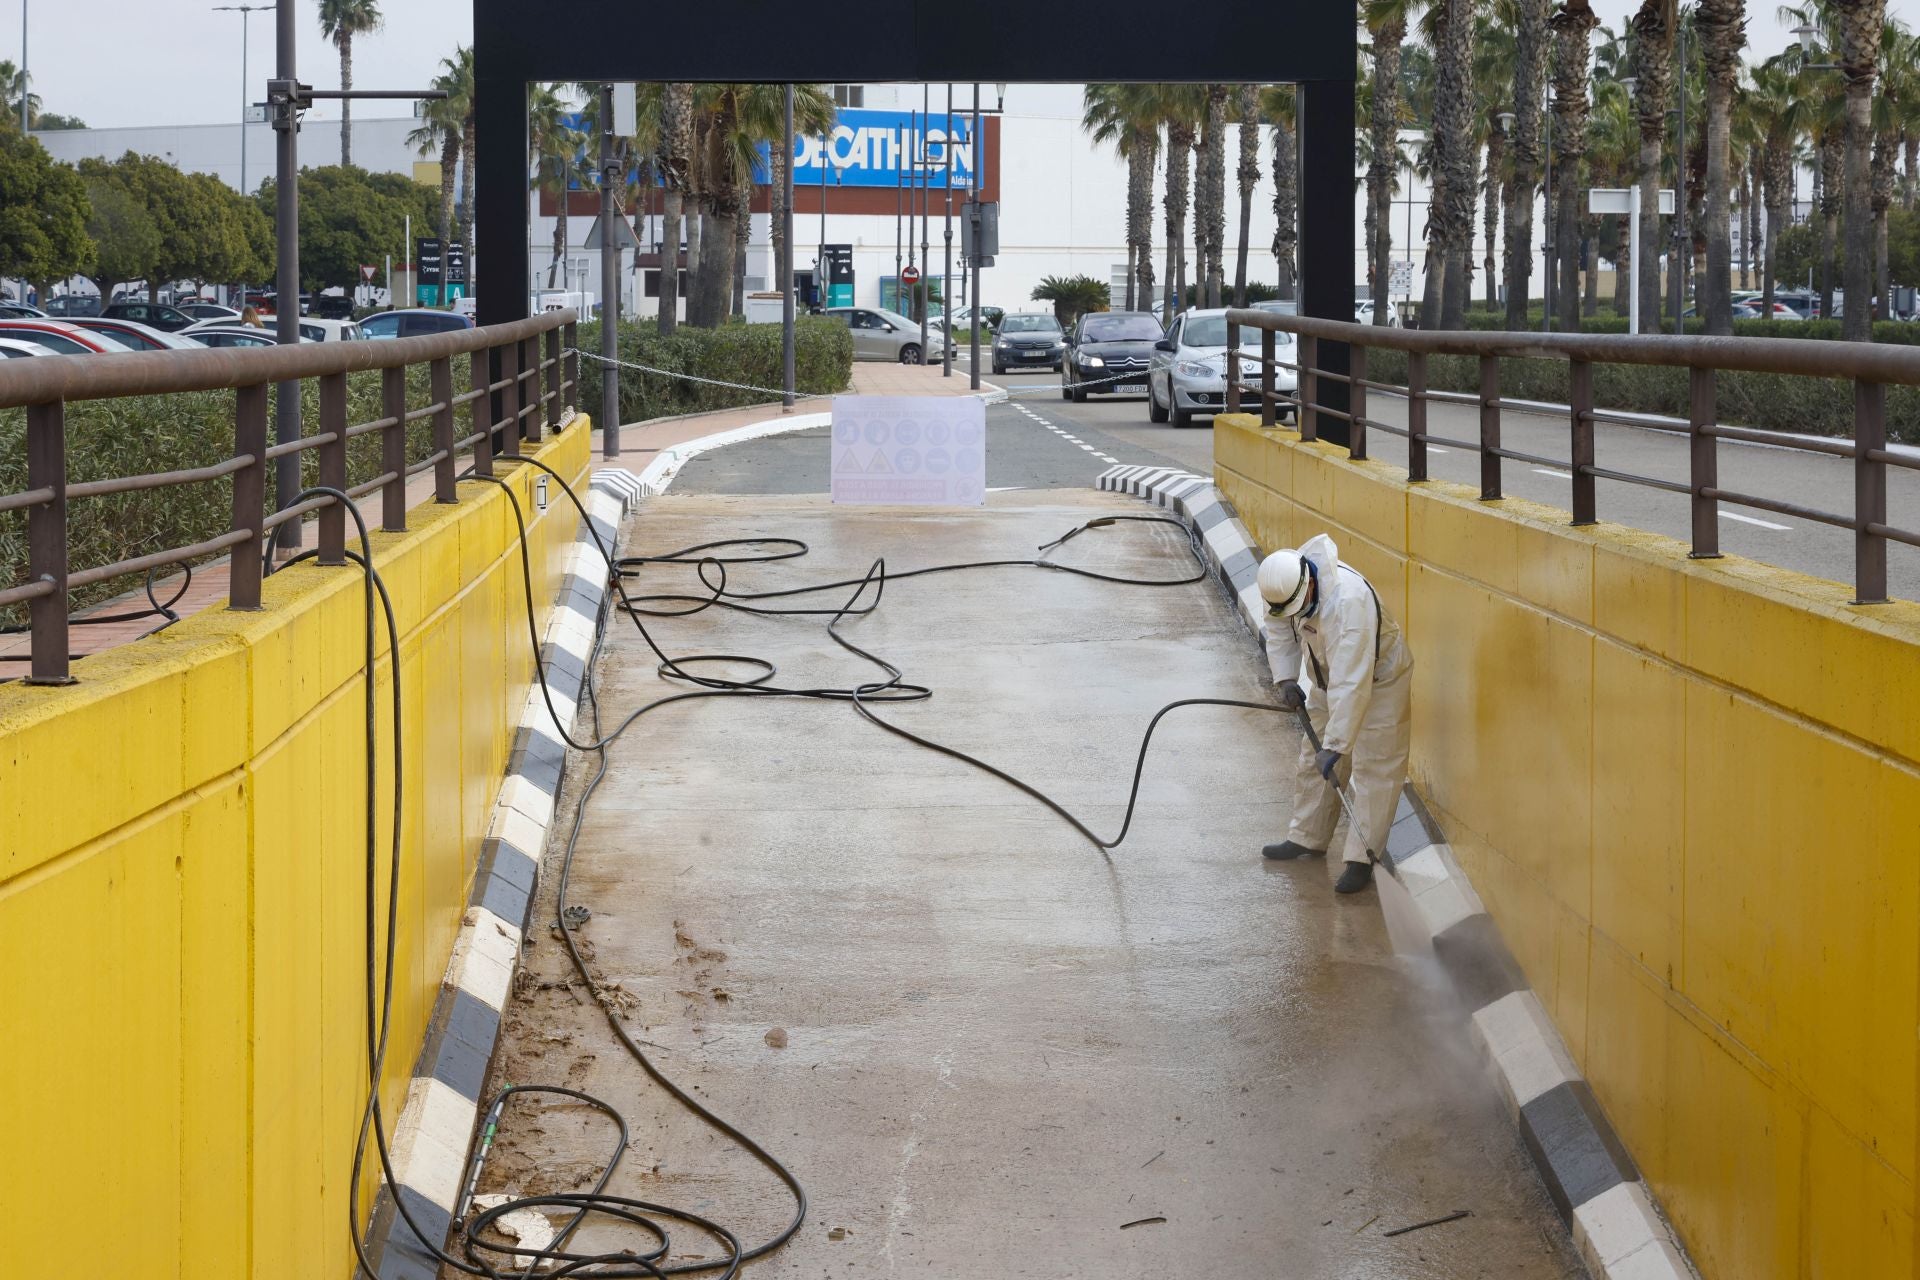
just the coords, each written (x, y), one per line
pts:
(1363, 313)
(329, 330)
(12, 349)
(1187, 377)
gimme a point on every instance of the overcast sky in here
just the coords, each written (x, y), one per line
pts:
(168, 62)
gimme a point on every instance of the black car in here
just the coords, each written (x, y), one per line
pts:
(412, 323)
(1108, 353)
(331, 306)
(155, 315)
(1027, 340)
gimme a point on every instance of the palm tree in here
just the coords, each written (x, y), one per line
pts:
(1653, 30)
(1210, 203)
(1180, 107)
(462, 95)
(1247, 109)
(440, 130)
(1277, 103)
(1125, 117)
(1387, 22)
(763, 120)
(1450, 219)
(1531, 38)
(1859, 24)
(674, 161)
(340, 22)
(1897, 88)
(553, 145)
(13, 84)
(1722, 28)
(1572, 25)
(1495, 72)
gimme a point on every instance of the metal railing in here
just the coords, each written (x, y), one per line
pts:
(1870, 367)
(524, 375)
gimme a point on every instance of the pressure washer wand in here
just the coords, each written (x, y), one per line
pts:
(1353, 819)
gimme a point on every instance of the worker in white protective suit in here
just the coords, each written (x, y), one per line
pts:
(1336, 651)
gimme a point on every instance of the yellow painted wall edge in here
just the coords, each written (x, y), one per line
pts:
(182, 892)
(1689, 793)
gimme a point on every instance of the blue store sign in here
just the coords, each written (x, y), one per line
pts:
(882, 148)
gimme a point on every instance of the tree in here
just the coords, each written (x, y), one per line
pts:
(125, 239)
(340, 22)
(1531, 35)
(1653, 32)
(763, 119)
(1573, 26)
(1774, 97)
(1247, 110)
(1210, 204)
(1859, 23)
(1722, 27)
(674, 159)
(43, 213)
(1277, 104)
(1387, 21)
(1455, 159)
(1180, 108)
(1073, 296)
(1124, 117)
(553, 145)
(348, 218)
(442, 130)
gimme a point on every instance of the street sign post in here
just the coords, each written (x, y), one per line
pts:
(432, 277)
(839, 275)
(910, 276)
(1603, 200)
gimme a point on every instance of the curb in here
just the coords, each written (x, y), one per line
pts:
(431, 1138)
(1616, 1225)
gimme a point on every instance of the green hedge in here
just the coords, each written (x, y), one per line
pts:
(749, 354)
(1769, 401)
(147, 434)
(1898, 332)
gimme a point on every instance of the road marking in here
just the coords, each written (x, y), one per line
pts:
(1104, 458)
(1087, 447)
(1764, 524)
(1012, 488)
(1549, 471)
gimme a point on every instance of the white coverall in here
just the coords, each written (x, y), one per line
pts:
(1350, 657)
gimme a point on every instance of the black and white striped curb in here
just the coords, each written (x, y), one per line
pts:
(1617, 1227)
(431, 1141)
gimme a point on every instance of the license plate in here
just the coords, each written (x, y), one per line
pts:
(1036, 355)
(1131, 389)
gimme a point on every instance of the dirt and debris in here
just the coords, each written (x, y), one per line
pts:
(776, 1038)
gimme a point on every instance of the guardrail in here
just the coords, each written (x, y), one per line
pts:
(507, 359)
(1871, 368)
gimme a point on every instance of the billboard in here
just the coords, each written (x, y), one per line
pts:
(883, 148)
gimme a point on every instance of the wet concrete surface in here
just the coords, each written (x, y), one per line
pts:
(1000, 1046)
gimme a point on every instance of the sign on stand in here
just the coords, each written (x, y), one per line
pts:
(915, 450)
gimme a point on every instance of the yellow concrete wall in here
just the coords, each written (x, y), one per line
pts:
(182, 878)
(1689, 792)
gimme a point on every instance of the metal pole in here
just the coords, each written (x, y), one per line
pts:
(979, 169)
(1547, 209)
(946, 274)
(1682, 245)
(899, 211)
(784, 267)
(286, 305)
(923, 170)
(1633, 253)
(609, 284)
(25, 84)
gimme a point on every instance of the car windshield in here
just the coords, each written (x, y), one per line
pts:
(897, 320)
(1211, 331)
(1283, 308)
(131, 342)
(1122, 329)
(1029, 324)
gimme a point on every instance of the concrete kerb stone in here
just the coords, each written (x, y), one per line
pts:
(432, 1137)
(1617, 1225)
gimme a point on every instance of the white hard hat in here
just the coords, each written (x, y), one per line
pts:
(1283, 582)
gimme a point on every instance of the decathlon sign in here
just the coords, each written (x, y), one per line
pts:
(883, 148)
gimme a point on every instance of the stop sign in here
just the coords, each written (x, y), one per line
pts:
(910, 275)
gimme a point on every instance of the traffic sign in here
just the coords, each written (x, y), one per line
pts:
(366, 272)
(910, 276)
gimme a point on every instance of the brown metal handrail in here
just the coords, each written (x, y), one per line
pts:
(1870, 367)
(522, 375)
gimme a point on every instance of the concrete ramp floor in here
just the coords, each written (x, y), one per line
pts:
(1001, 1047)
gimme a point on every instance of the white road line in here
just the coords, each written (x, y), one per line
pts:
(1012, 488)
(1549, 471)
(1764, 524)
(1104, 458)
(1087, 447)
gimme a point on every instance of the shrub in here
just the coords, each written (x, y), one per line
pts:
(1073, 296)
(747, 354)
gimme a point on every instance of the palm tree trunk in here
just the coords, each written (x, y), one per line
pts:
(1494, 195)
(1718, 304)
(346, 104)
(1141, 156)
(466, 197)
(675, 161)
(1529, 82)
(1653, 65)
(672, 206)
(1456, 156)
(1133, 255)
(1623, 281)
(449, 165)
(742, 241)
(1590, 262)
(1572, 28)
(560, 227)
(696, 257)
(1178, 199)
(777, 227)
(1249, 175)
(1885, 143)
(1832, 157)
(1384, 123)
(1214, 223)
(1910, 180)
(1860, 22)
(1286, 209)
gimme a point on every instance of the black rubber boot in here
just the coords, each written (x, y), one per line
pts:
(1355, 878)
(1287, 851)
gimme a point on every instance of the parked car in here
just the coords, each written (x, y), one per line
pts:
(157, 315)
(20, 311)
(133, 335)
(201, 310)
(1363, 313)
(14, 349)
(329, 330)
(230, 335)
(887, 335)
(74, 304)
(1028, 340)
(412, 323)
(963, 319)
(1108, 353)
(331, 306)
(1188, 374)
(1279, 306)
(58, 337)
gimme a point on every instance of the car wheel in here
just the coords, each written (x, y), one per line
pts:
(1182, 417)
(910, 354)
(1066, 388)
(999, 369)
(1155, 413)
(1079, 394)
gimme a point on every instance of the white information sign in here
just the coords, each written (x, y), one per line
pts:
(1400, 276)
(929, 450)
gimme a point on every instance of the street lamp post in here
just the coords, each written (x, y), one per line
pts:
(246, 12)
(784, 266)
(946, 274)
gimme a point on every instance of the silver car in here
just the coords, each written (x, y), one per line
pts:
(887, 335)
(1188, 375)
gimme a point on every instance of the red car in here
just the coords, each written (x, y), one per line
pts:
(58, 337)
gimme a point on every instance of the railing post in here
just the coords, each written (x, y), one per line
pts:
(482, 406)
(1308, 387)
(47, 542)
(572, 378)
(249, 496)
(441, 376)
(1268, 405)
(1489, 428)
(393, 449)
(1705, 457)
(1416, 415)
(1869, 492)
(1357, 403)
(1580, 418)
(1232, 362)
(510, 398)
(554, 375)
(532, 380)
(333, 467)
